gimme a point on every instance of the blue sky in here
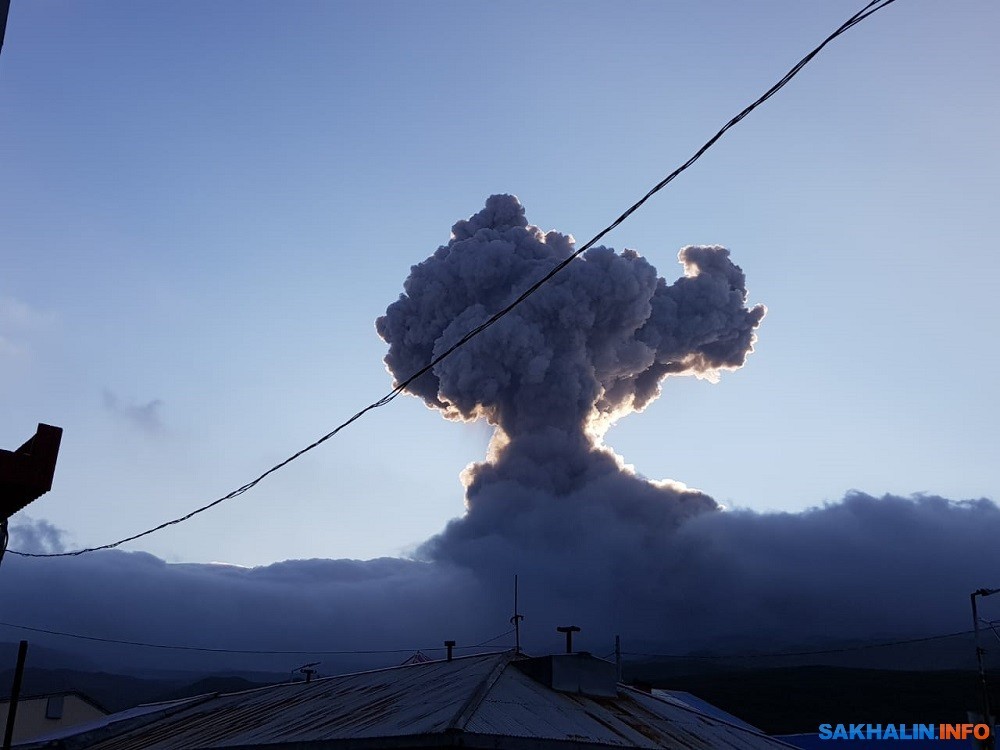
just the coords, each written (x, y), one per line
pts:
(203, 209)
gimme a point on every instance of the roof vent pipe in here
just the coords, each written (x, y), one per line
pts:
(449, 645)
(568, 630)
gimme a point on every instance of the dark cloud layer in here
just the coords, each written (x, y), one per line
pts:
(594, 544)
(300, 605)
(863, 568)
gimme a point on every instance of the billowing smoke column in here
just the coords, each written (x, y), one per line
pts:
(606, 548)
(590, 346)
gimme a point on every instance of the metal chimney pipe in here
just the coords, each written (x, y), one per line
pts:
(449, 645)
(307, 670)
(568, 630)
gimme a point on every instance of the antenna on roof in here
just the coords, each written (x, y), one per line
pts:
(618, 658)
(516, 621)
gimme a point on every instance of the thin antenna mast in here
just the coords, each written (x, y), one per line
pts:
(618, 658)
(516, 621)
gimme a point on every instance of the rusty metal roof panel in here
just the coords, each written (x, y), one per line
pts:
(520, 707)
(686, 700)
(127, 719)
(409, 700)
(476, 696)
(687, 727)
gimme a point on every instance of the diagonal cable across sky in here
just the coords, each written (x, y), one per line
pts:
(869, 9)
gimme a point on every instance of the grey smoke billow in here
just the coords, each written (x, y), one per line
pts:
(589, 347)
(602, 545)
(35, 535)
(593, 343)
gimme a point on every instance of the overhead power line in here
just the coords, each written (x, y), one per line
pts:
(818, 652)
(254, 652)
(482, 644)
(868, 10)
(490, 640)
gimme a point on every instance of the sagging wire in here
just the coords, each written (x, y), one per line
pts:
(869, 9)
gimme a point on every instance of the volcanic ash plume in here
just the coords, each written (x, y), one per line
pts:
(591, 346)
(601, 546)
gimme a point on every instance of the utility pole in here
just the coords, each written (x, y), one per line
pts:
(990, 743)
(15, 695)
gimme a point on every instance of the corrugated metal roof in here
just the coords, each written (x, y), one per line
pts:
(470, 697)
(123, 719)
(411, 699)
(520, 707)
(687, 700)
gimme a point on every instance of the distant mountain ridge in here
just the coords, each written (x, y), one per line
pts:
(46, 657)
(117, 692)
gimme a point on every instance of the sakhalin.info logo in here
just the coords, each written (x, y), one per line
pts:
(903, 731)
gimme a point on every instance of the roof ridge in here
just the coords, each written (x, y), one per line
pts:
(461, 718)
(406, 666)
